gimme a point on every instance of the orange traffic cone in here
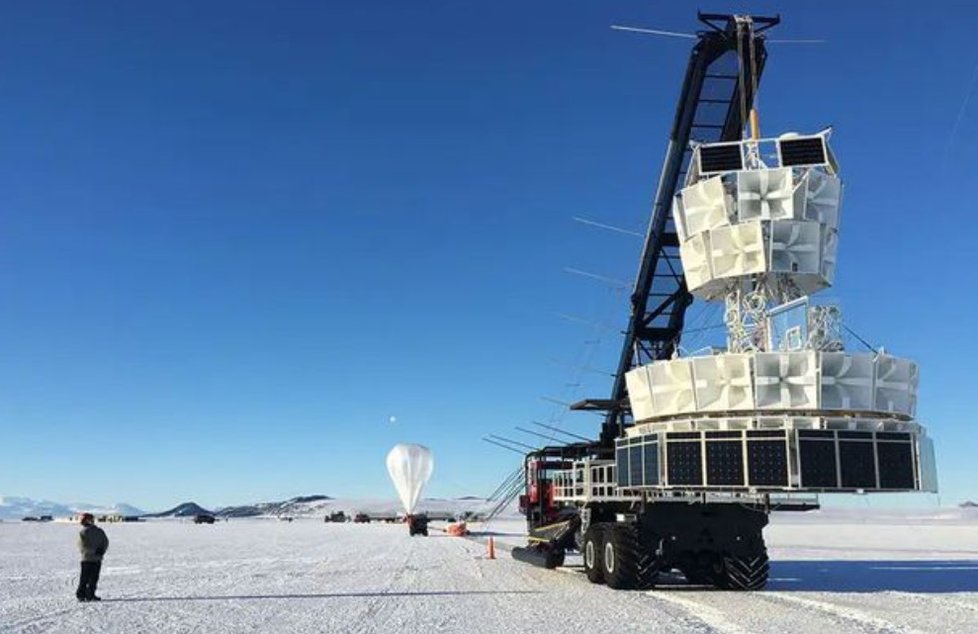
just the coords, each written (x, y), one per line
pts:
(492, 548)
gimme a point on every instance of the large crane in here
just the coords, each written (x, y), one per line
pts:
(697, 450)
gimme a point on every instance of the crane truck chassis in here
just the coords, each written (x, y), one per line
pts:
(626, 541)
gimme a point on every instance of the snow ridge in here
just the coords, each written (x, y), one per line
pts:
(15, 508)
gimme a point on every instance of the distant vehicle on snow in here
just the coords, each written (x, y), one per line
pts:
(203, 518)
(361, 518)
(417, 524)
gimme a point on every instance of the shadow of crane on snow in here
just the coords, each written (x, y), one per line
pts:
(329, 595)
(875, 576)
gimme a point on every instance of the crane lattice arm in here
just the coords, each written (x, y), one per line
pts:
(723, 72)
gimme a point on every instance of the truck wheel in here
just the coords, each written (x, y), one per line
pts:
(592, 549)
(625, 562)
(746, 572)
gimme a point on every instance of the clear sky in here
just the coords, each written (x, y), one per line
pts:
(236, 238)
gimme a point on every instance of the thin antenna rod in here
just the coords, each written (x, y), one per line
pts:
(567, 405)
(601, 278)
(561, 431)
(578, 366)
(795, 41)
(635, 29)
(601, 225)
(587, 322)
(513, 442)
(861, 340)
(499, 444)
(549, 438)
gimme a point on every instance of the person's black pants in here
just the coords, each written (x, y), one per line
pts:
(88, 579)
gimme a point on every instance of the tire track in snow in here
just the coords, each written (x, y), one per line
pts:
(864, 621)
(942, 601)
(695, 616)
(709, 615)
(31, 624)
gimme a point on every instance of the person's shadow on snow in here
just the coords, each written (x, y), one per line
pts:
(875, 576)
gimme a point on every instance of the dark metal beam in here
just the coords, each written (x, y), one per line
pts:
(654, 331)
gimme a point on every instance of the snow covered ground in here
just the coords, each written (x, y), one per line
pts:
(832, 572)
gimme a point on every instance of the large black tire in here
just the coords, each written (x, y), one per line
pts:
(591, 550)
(625, 562)
(746, 573)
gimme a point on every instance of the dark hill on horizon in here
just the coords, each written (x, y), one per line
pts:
(187, 509)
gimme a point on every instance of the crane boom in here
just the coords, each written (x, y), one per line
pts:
(723, 72)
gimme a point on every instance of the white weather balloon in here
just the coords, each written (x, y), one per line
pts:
(410, 467)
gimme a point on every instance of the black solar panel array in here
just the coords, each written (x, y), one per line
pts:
(827, 459)
(803, 151)
(831, 459)
(721, 158)
(637, 461)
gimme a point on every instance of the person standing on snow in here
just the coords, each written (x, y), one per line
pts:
(92, 544)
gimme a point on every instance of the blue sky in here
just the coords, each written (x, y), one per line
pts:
(236, 239)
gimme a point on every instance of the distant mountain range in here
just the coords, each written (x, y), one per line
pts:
(321, 505)
(304, 505)
(15, 508)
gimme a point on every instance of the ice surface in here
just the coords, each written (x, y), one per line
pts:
(833, 571)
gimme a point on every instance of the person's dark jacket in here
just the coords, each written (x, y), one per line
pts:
(92, 543)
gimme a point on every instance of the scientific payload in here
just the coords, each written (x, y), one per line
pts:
(698, 447)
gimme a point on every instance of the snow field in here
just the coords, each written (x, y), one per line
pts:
(308, 576)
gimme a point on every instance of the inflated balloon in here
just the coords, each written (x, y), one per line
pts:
(409, 466)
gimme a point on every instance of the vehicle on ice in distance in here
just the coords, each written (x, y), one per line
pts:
(338, 516)
(417, 524)
(361, 518)
(698, 448)
(203, 518)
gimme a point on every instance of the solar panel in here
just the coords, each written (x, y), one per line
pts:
(635, 474)
(858, 465)
(725, 157)
(817, 463)
(621, 466)
(725, 462)
(767, 463)
(802, 151)
(896, 465)
(651, 463)
(684, 460)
